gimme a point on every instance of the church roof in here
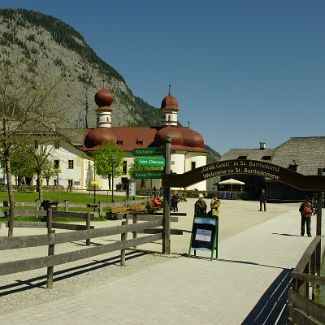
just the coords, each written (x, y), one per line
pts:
(128, 138)
(169, 103)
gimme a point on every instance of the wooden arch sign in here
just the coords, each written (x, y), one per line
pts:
(246, 167)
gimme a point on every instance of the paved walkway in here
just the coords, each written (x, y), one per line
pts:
(185, 290)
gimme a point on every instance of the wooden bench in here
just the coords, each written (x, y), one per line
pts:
(117, 210)
(136, 207)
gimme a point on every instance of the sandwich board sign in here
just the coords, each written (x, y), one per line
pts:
(204, 234)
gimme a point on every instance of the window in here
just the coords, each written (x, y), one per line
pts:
(293, 167)
(266, 158)
(119, 142)
(139, 141)
(56, 164)
(70, 164)
(125, 167)
(193, 165)
(242, 157)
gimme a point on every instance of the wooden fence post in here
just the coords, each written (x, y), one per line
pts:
(134, 220)
(100, 209)
(123, 238)
(66, 205)
(88, 227)
(50, 269)
(38, 204)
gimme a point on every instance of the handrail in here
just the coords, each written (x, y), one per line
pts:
(307, 254)
(302, 309)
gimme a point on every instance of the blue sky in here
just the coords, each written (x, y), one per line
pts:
(243, 71)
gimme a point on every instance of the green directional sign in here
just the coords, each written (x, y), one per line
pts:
(151, 162)
(140, 174)
(147, 151)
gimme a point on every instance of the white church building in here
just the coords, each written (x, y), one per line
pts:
(187, 145)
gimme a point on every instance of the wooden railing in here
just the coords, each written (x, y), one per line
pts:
(100, 207)
(302, 309)
(51, 239)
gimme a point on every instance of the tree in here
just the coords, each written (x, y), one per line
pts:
(41, 153)
(49, 171)
(22, 162)
(108, 158)
(27, 109)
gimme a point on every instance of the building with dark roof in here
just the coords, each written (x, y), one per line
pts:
(304, 155)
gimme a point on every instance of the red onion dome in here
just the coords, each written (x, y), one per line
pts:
(169, 103)
(192, 138)
(180, 137)
(103, 97)
(173, 132)
(96, 137)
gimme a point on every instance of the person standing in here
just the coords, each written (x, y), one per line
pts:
(263, 199)
(214, 206)
(200, 207)
(306, 210)
(174, 202)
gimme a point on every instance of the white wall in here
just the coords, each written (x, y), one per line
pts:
(79, 174)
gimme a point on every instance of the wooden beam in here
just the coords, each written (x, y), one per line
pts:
(25, 241)
(308, 306)
(307, 255)
(40, 262)
(157, 230)
(72, 215)
(42, 240)
(298, 317)
(29, 224)
(70, 226)
(30, 213)
(309, 278)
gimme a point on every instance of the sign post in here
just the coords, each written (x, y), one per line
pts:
(205, 235)
(319, 224)
(94, 183)
(166, 201)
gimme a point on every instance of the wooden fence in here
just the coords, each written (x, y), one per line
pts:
(51, 239)
(100, 207)
(302, 309)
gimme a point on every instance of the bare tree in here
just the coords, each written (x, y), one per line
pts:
(27, 109)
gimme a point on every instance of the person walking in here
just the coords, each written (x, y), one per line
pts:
(263, 199)
(306, 210)
(200, 207)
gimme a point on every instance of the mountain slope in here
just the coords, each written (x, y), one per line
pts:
(48, 45)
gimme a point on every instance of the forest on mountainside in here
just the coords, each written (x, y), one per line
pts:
(45, 43)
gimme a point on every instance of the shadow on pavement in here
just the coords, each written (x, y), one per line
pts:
(40, 281)
(276, 233)
(271, 308)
